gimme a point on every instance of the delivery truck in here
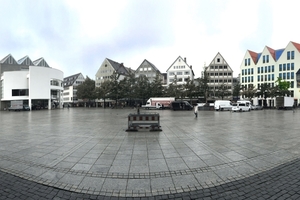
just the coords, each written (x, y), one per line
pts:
(158, 102)
(284, 102)
(16, 105)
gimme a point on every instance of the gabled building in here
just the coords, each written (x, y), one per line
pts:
(266, 66)
(179, 71)
(220, 74)
(34, 83)
(149, 70)
(107, 68)
(70, 88)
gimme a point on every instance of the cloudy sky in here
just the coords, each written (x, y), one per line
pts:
(76, 36)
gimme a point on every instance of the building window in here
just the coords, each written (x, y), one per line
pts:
(292, 66)
(264, 59)
(248, 61)
(288, 55)
(179, 79)
(171, 73)
(292, 84)
(186, 73)
(284, 67)
(272, 68)
(262, 69)
(179, 73)
(288, 75)
(242, 72)
(267, 57)
(245, 62)
(280, 75)
(269, 69)
(292, 75)
(266, 69)
(251, 78)
(280, 67)
(258, 78)
(292, 54)
(218, 60)
(272, 77)
(249, 71)
(262, 77)
(269, 77)
(20, 92)
(245, 71)
(258, 70)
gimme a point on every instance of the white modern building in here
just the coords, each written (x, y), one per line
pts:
(220, 74)
(266, 66)
(33, 82)
(179, 71)
(70, 88)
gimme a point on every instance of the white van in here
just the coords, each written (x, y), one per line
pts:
(221, 105)
(248, 103)
(240, 107)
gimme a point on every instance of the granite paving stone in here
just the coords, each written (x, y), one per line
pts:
(85, 153)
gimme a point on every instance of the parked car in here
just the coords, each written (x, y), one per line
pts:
(257, 107)
(181, 105)
(26, 108)
(240, 107)
(37, 107)
(221, 105)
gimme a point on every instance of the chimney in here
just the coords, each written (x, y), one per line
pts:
(184, 60)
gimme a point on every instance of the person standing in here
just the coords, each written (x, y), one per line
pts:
(196, 110)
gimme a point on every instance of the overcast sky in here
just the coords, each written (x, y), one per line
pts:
(76, 36)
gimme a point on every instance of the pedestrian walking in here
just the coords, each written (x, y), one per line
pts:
(196, 110)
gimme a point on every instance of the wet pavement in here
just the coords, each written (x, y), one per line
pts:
(85, 153)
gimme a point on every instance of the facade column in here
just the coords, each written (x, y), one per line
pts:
(49, 104)
(29, 103)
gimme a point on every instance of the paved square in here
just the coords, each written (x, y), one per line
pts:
(88, 150)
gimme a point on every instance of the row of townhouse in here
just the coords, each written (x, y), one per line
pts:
(35, 82)
(219, 71)
(267, 66)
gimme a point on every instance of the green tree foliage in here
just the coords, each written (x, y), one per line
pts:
(103, 91)
(250, 92)
(174, 89)
(236, 91)
(203, 85)
(128, 86)
(156, 87)
(223, 91)
(283, 87)
(264, 91)
(190, 89)
(115, 89)
(142, 88)
(86, 91)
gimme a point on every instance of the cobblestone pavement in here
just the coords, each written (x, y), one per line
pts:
(87, 154)
(282, 182)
